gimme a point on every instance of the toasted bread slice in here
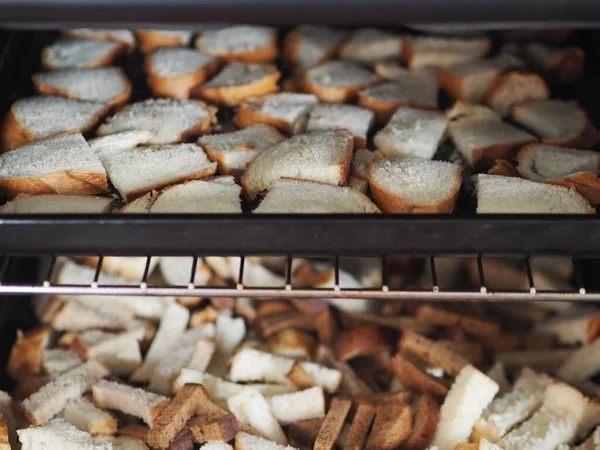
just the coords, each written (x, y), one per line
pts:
(26, 356)
(124, 37)
(59, 434)
(425, 423)
(247, 43)
(392, 424)
(64, 165)
(322, 156)
(432, 352)
(59, 360)
(286, 111)
(309, 45)
(337, 81)
(107, 85)
(416, 379)
(170, 121)
(4, 442)
(415, 185)
(332, 424)
(360, 426)
(412, 133)
(85, 416)
(58, 204)
(232, 151)
(360, 341)
(34, 118)
(439, 317)
(515, 88)
(150, 40)
(565, 64)
(370, 46)
(251, 408)
(557, 122)
(356, 120)
(9, 421)
(293, 344)
(173, 72)
(79, 54)
(140, 205)
(427, 51)
(238, 81)
(498, 194)
(297, 406)
(581, 364)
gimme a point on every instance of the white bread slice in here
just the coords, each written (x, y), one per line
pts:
(238, 81)
(322, 156)
(125, 37)
(51, 398)
(470, 394)
(59, 435)
(232, 151)
(287, 111)
(337, 81)
(412, 133)
(247, 441)
(43, 116)
(140, 205)
(63, 165)
(564, 63)
(230, 333)
(170, 121)
(122, 442)
(85, 416)
(135, 401)
(251, 408)
(555, 423)
(514, 407)
(113, 143)
(79, 54)
(216, 445)
(152, 39)
(362, 160)
(138, 170)
(131, 268)
(107, 85)
(498, 194)
(173, 72)
(309, 45)
(8, 416)
(297, 406)
(58, 204)
(355, 119)
(582, 364)
(414, 185)
(371, 45)
(498, 373)
(58, 360)
(177, 271)
(75, 316)
(248, 43)
(557, 122)
(576, 327)
(541, 162)
(217, 195)
(515, 88)
(309, 197)
(426, 51)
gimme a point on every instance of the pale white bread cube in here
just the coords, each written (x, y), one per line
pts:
(542, 162)
(114, 35)
(122, 442)
(498, 373)
(6, 411)
(251, 408)
(58, 435)
(371, 45)
(309, 45)
(79, 54)
(135, 401)
(216, 445)
(171, 328)
(571, 328)
(412, 133)
(75, 316)
(63, 165)
(43, 116)
(322, 156)
(426, 51)
(309, 197)
(557, 122)
(555, 423)
(216, 195)
(512, 408)
(85, 416)
(230, 333)
(564, 63)
(57, 360)
(177, 270)
(51, 398)
(355, 119)
(412, 185)
(297, 406)
(170, 121)
(287, 111)
(107, 85)
(232, 151)
(58, 204)
(510, 195)
(140, 205)
(151, 39)
(114, 143)
(246, 441)
(582, 364)
(128, 267)
(515, 88)
(250, 43)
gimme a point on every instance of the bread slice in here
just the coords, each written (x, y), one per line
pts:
(413, 185)
(85, 416)
(337, 81)
(360, 341)
(230, 333)
(173, 72)
(79, 54)
(425, 423)
(498, 194)
(286, 111)
(140, 205)
(332, 424)
(361, 423)
(63, 165)
(309, 45)
(371, 45)
(564, 63)
(124, 37)
(59, 434)
(297, 406)
(26, 356)
(177, 271)
(470, 394)
(213, 424)
(75, 316)
(426, 51)
(215, 445)
(8, 418)
(293, 344)
(4, 442)
(322, 156)
(135, 171)
(246, 441)
(116, 142)
(251, 408)
(232, 151)
(356, 120)
(150, 40)
(309, 197)
(392, 424)
(515, 88)
(107, 85)
(125, 443)
(247, 43)
(581, 364)
(39, 117)
(59, 360)
(416, 379)
(170, 121)
(58, 204)
(412, 133)
(135, 401)
(557, 122)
